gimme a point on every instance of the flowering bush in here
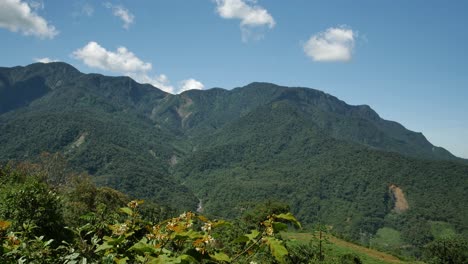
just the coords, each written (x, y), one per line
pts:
(187, 238)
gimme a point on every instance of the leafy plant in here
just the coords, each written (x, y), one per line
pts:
(451, 250)
(189, 238)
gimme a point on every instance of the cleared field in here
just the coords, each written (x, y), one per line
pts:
(334, 248)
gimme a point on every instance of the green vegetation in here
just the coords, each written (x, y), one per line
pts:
(108, 234)
(441, 230)
(447, 251)
(336, 249)
(274, 153)
(291, 149)
(387, 239)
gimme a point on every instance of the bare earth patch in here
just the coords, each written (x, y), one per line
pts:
(173, 160)
(183, 111)
(80, 140)
(401, 204)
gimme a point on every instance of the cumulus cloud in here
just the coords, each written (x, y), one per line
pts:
(334, 44)
(125, 62)
(122, 60)
(252, 16)
(160, 81)
(190, 84)
(122, 13)
(45, 60)
(18, 16)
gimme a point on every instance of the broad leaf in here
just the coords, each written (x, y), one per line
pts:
(220, 256)
(142, 246)
(289, 217)
(126, 210)
(104, 246)
(254, 234)
(277, 249)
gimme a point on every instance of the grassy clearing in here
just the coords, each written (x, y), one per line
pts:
(387, 239)
(335, 247)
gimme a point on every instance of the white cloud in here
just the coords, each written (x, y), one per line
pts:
(120, 61)
(16, 15)
(125, 62)
(123, 13)
(335, 44)
(160, 81)
(45, 60)
(251, 15)
(190, 84)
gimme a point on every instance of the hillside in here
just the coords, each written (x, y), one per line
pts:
(335, 247)
(97, 122)
(206, 111)
(330, 161)
(275, 153)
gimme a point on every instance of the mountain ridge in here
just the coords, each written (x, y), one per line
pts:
(330, 161)
(385, 135)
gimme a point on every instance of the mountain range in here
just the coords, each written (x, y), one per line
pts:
(223, 151)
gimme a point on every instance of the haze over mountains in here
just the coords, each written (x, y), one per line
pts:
(330, 161)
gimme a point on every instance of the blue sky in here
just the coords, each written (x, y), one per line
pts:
(408, 60)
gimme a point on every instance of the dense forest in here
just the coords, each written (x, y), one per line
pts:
(367, 179)
(56, 216)
(50, 214)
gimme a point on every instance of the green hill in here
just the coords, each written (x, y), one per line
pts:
(331, 162)
(275, 152)
(98, 122)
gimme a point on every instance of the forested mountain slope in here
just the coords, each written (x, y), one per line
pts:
(276, 152)
(100, 123)
(331, 162)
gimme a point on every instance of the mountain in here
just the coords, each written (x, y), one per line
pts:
(226, 150)
(276, 153)
(195, 113)
(98, 122)
(205, 111)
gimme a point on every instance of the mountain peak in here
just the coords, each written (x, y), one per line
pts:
(60, 67)
(261, 84)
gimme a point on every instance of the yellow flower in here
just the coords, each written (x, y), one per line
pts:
(269, 231)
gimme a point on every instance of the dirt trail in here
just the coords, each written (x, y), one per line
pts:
(401, 204)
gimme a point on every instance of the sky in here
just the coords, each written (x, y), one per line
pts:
(408, 60)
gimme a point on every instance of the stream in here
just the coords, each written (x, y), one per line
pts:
(200, 206)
